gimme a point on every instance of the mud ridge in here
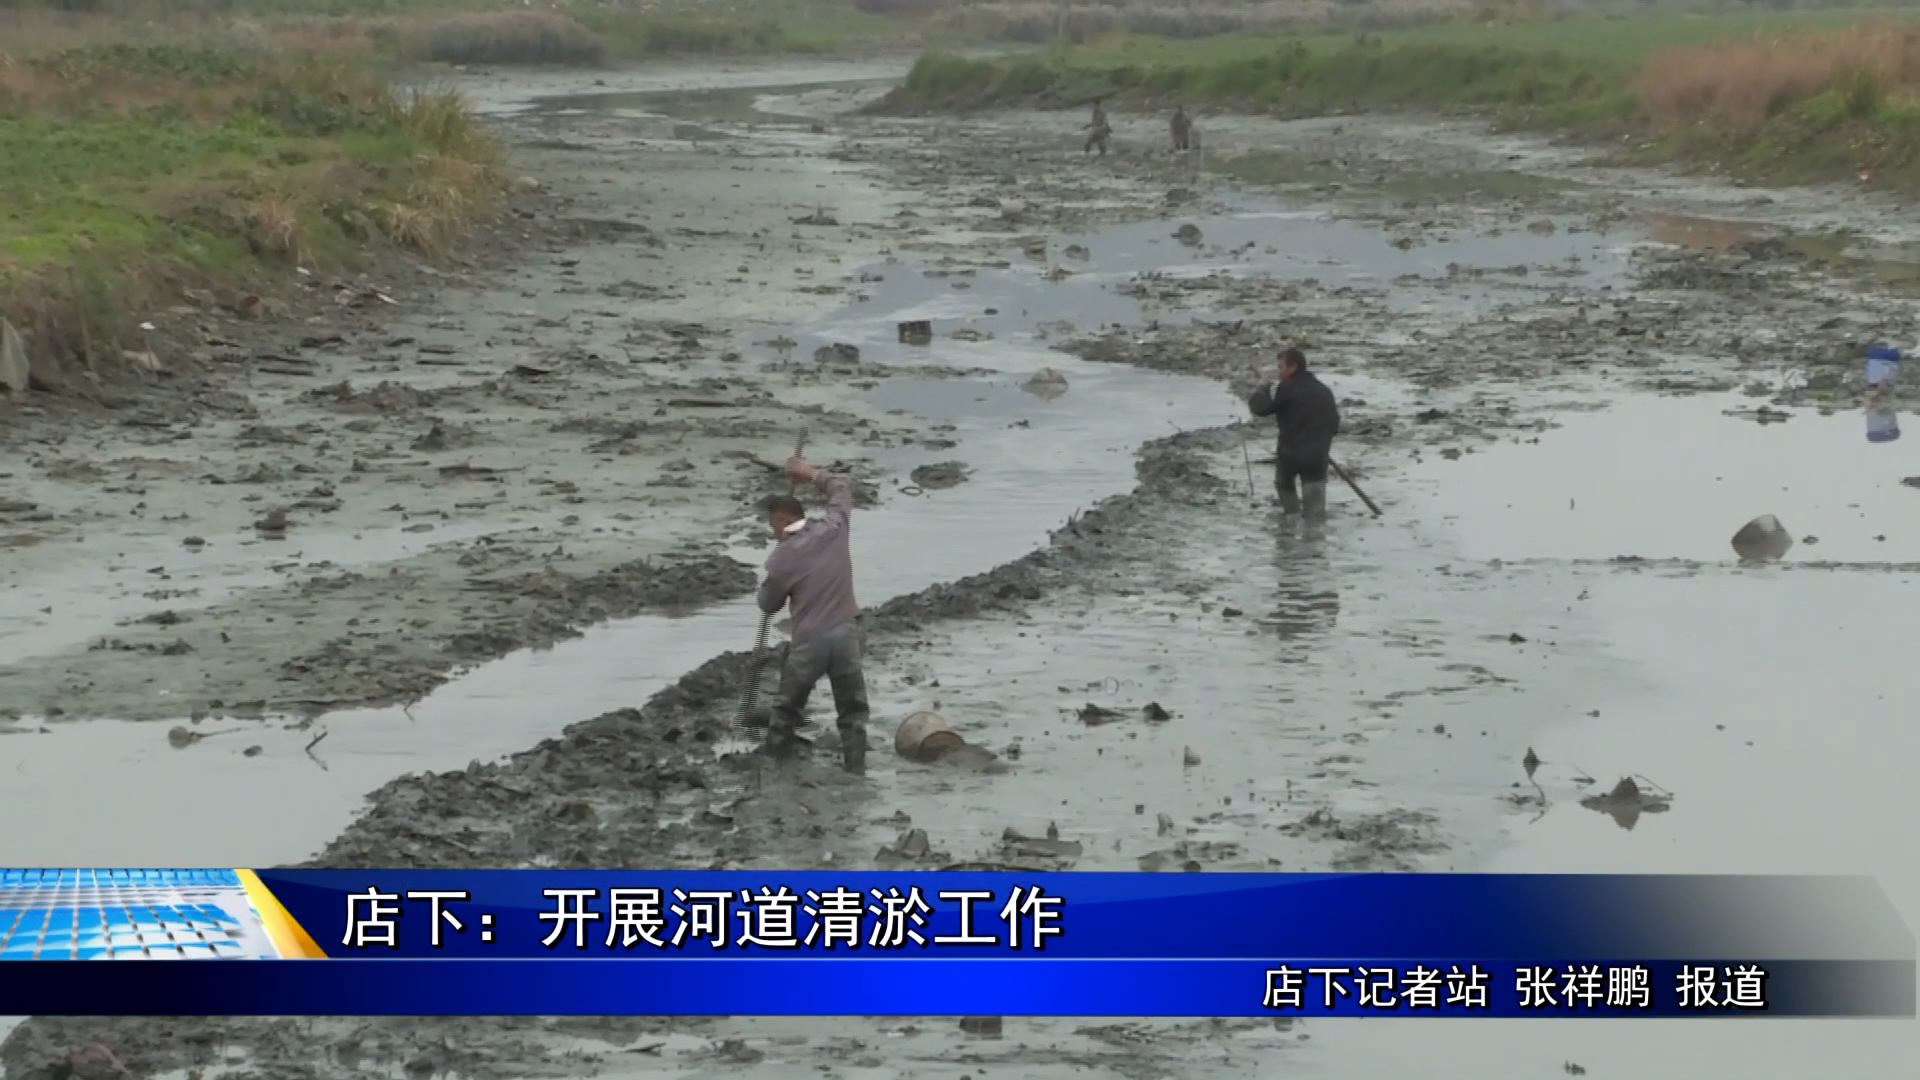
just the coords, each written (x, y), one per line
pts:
(548, 607)
(456, 819)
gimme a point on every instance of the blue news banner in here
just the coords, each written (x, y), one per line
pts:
(822, 943)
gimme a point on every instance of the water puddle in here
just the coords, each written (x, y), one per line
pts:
(1768, 704)
(1674, 478)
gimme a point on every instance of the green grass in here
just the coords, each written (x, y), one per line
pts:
(127, 169)
(477, 32)
(1579, 75)
(1564, 64)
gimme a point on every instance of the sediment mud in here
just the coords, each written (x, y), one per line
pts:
(1353, 699)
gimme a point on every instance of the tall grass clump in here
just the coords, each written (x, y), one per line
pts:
(1037, 23)
(1739, 88)
(131, 171)
(505, 37)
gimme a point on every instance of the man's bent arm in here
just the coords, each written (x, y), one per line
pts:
(774, 590)
(839, 499)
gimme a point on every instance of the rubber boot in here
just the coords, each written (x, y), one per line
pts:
(1289, 498)
(1313, 498)
(782, 743)
(853, 750)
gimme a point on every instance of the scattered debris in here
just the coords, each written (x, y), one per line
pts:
(941, 475)
(180, 736)
(837, 353)
(1014, 845)
(1628, 800)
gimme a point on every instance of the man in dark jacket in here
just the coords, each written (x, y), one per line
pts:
(1308, 418)
(1182, 126)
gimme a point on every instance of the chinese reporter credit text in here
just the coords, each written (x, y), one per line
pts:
(951, 943)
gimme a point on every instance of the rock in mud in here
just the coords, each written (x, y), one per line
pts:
(837, 353)
(15, 372)
(910, 848)
(986, 1027)
(1763, 539)
(1627, 801)
(1045, 383)
(941, 475)
(1014, 845)
(1188, 234)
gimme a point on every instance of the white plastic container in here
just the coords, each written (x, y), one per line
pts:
(1883, 424)
(1883, 366)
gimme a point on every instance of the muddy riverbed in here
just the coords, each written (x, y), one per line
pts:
(519, 512)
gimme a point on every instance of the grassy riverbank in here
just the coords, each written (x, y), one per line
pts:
(1788, 95)
(558, 33)
(131, 173)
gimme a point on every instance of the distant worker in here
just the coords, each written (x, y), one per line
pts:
(812, 567)
(1098, 131)
(1182, 126)
(1308, 418)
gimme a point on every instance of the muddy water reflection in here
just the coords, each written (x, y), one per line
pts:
(1771, 707)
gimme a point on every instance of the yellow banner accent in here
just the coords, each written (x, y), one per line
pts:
(289, 938)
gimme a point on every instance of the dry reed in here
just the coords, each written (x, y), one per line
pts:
(1740, 86)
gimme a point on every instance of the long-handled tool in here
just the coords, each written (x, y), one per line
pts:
(1247, 456)
(1348, 477)
(757, 662)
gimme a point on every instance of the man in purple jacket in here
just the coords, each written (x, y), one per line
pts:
(812, 568)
